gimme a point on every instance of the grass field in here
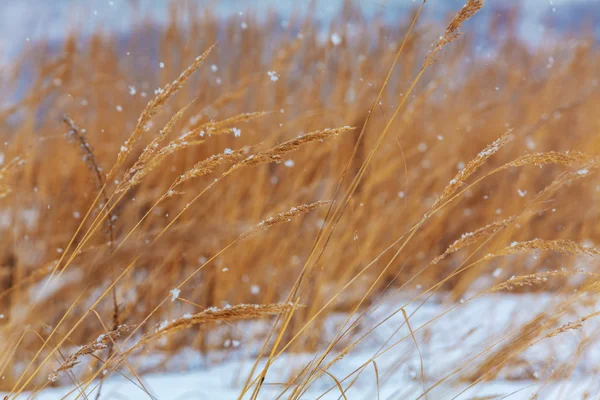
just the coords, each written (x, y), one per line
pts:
(357, 210)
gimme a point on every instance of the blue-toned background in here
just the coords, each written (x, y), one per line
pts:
(23, 21)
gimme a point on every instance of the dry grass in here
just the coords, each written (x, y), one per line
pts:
(157, 201)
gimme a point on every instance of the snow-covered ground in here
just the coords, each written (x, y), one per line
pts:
(217, 383)
(451, 345)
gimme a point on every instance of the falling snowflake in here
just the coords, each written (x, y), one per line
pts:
(174, 294)
(336, 39)
(273, 75)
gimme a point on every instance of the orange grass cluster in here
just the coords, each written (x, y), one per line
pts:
(390, 153)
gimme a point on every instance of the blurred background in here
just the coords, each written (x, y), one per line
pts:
(24, 21)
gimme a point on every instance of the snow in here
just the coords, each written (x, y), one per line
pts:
(219, 385)
(174, 294)
(448, 334)
(336, 39)
(583, 171)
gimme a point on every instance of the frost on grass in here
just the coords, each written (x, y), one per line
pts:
(174, 294)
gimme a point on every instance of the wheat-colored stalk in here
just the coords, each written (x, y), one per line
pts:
(535, 279)
(224, 314)
(5, 170)
(208, 165)
(470, 238)
(276, 153)
(219, 127)
(284, 217)
(562, 246)
(473, 165)
(210, 315)
(153, 107)
(101, 343)
(453, 29)
(570, 176)
(147, 160)
(569, 326)
(568, 158)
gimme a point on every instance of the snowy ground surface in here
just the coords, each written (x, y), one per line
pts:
(447, 342)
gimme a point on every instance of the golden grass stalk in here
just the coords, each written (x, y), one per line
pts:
(535, 279)
(208, 165)
(568, 158)
(225, 314)
(101, 343)
(219, 127)
(470, 238)
(5, 189)
(453, 29)
(76, 135)
(570, 326)
(210, 315)
(153, 107)
(274, 154)
(146, 160)
(152, 157)
(473, 165)
(562, 246)
(571, 176)
(285, 217)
